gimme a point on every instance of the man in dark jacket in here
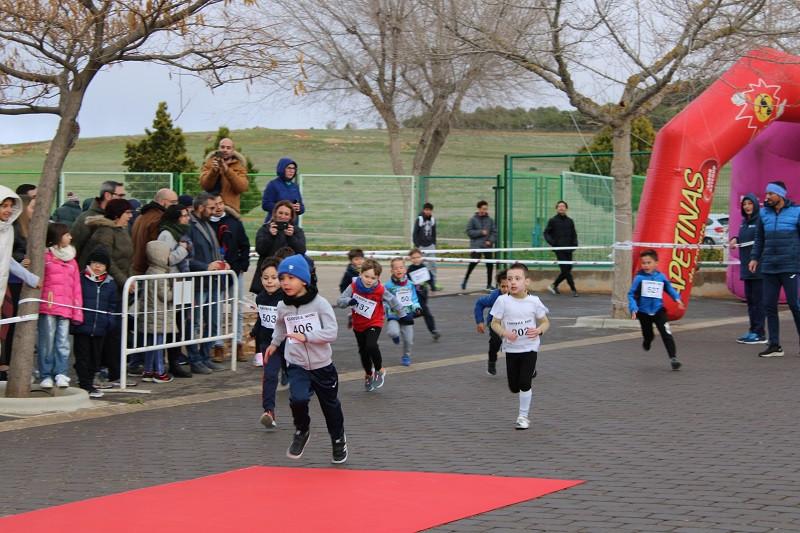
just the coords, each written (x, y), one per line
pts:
(235, 249)
(482, 234)
(560, 231)
(777, 251)
(753, 281)
(69, 210)
(146, 228)
(109, 190)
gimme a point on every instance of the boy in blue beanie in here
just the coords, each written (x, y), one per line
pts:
(307, 323)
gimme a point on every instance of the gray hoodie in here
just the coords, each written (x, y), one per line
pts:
(316, 351)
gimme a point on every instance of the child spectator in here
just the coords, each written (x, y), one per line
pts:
(486, 302)
(421, 277)
(306, 319)
(267, 302)
(645, 302)
(425, 239)
(356, 258)
(100, 302)
(402, 323)
(159, 320)
(61, 292)
(520, 319)
(366, 296)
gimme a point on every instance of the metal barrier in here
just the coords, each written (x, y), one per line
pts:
(194, 307)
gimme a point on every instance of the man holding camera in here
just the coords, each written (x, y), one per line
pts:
(225, 173)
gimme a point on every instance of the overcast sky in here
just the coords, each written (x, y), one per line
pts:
(123, 100)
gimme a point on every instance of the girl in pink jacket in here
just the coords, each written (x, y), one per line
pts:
(62, 300)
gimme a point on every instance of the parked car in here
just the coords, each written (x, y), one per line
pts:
(716, 229)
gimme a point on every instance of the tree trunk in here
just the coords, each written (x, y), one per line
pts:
(622, 171)
(25, 333)
(435, 145)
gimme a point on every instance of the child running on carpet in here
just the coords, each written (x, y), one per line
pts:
(421, 278)
(520, 319)
(486, 302)
(307, 323)
(366, 296)
(645, 302)
(402, 324)
(267, 302)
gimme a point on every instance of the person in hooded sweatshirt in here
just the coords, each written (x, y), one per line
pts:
(283, 187)
(753, 281)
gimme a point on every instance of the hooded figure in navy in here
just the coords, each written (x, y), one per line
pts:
(283, 187)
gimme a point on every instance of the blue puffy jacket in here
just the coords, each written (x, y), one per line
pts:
(777, 240)
(644, 304)
(282, 189)
(101, 296)
(747, 233)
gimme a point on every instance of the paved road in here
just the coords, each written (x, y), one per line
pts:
(713, 446)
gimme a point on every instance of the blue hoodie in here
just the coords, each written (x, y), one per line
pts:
(747, 233)
(486, 302)
(644, 304)
(282, 189)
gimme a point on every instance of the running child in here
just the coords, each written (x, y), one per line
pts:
(402, 323)
(486, 302)
(645, 302)
(307, 323)
(520, 319)
(421, 277)
(356, 258)
(267, 302)
(366, 296)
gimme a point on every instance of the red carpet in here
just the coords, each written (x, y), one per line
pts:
(292, 499)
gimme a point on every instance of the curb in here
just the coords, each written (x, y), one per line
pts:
(64, 400)
(607, 323)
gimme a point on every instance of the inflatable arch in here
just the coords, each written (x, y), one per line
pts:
(761, 88)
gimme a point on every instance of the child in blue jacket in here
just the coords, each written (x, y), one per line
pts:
(645, 304)
(486, 302)
(402, 326)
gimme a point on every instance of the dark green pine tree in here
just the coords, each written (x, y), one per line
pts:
(161, 150)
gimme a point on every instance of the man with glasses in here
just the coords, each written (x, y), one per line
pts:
(146, 227)
(283, 187)
(225, 173)
(109, 190)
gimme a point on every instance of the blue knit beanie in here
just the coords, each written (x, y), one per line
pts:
(297, 266)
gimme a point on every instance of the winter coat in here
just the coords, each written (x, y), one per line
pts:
(777, 242)
(747, 233)
(486, 302)
(61, 285)
(19, 250)
(205, 249)
(159, 292)
(233, 240)
(397, 288)
(316, 351)
(378, 294)
(560, 231)
(145, 229)
(475, 228)
(101, 296)
(644, 304)
(350, 275)
(267, 244)
(230, 185)
(424, 231)
(178, 255)
(282, 189)
(7, 236)
(67, 214)
(81, 233)
(119, 245)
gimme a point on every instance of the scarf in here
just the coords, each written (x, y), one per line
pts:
(362, 289)
(402, 281)
(217, 219)
(65, 254)
(97, 278)
(175, 229)
(297, 301)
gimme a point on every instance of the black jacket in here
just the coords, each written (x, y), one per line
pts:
(267, 244)
(233, 240)
(560, 231)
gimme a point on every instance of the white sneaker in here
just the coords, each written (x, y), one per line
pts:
(258, 359)
(47, 383)
(522, 423)
(62, 381)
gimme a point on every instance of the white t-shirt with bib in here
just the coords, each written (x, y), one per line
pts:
(519, 314)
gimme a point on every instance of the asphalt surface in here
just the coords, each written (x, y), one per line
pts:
(711, 447)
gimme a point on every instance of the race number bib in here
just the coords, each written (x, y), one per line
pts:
(520, 327)
(365, 307)
(304, 324)
(404, 297)
(652, 289)
(268, 315)
(420, 276)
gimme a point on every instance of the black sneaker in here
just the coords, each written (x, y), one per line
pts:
(674, 363)
(298, 444)
(491, 368)
(646, 345)
(575, 293)
(773, 350)
(340, 450)
(553, 289)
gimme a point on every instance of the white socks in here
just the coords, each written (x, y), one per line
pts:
(525, 402)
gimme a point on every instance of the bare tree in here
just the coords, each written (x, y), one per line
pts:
(51, 50)
(631, 53)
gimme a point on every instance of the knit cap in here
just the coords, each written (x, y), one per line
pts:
(99, 254)
(72, 197)
(297, 266)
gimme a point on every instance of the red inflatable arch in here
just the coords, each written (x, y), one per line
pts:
(762, 87)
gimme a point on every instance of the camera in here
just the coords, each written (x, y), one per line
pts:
(282, 225)
(218, 154)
